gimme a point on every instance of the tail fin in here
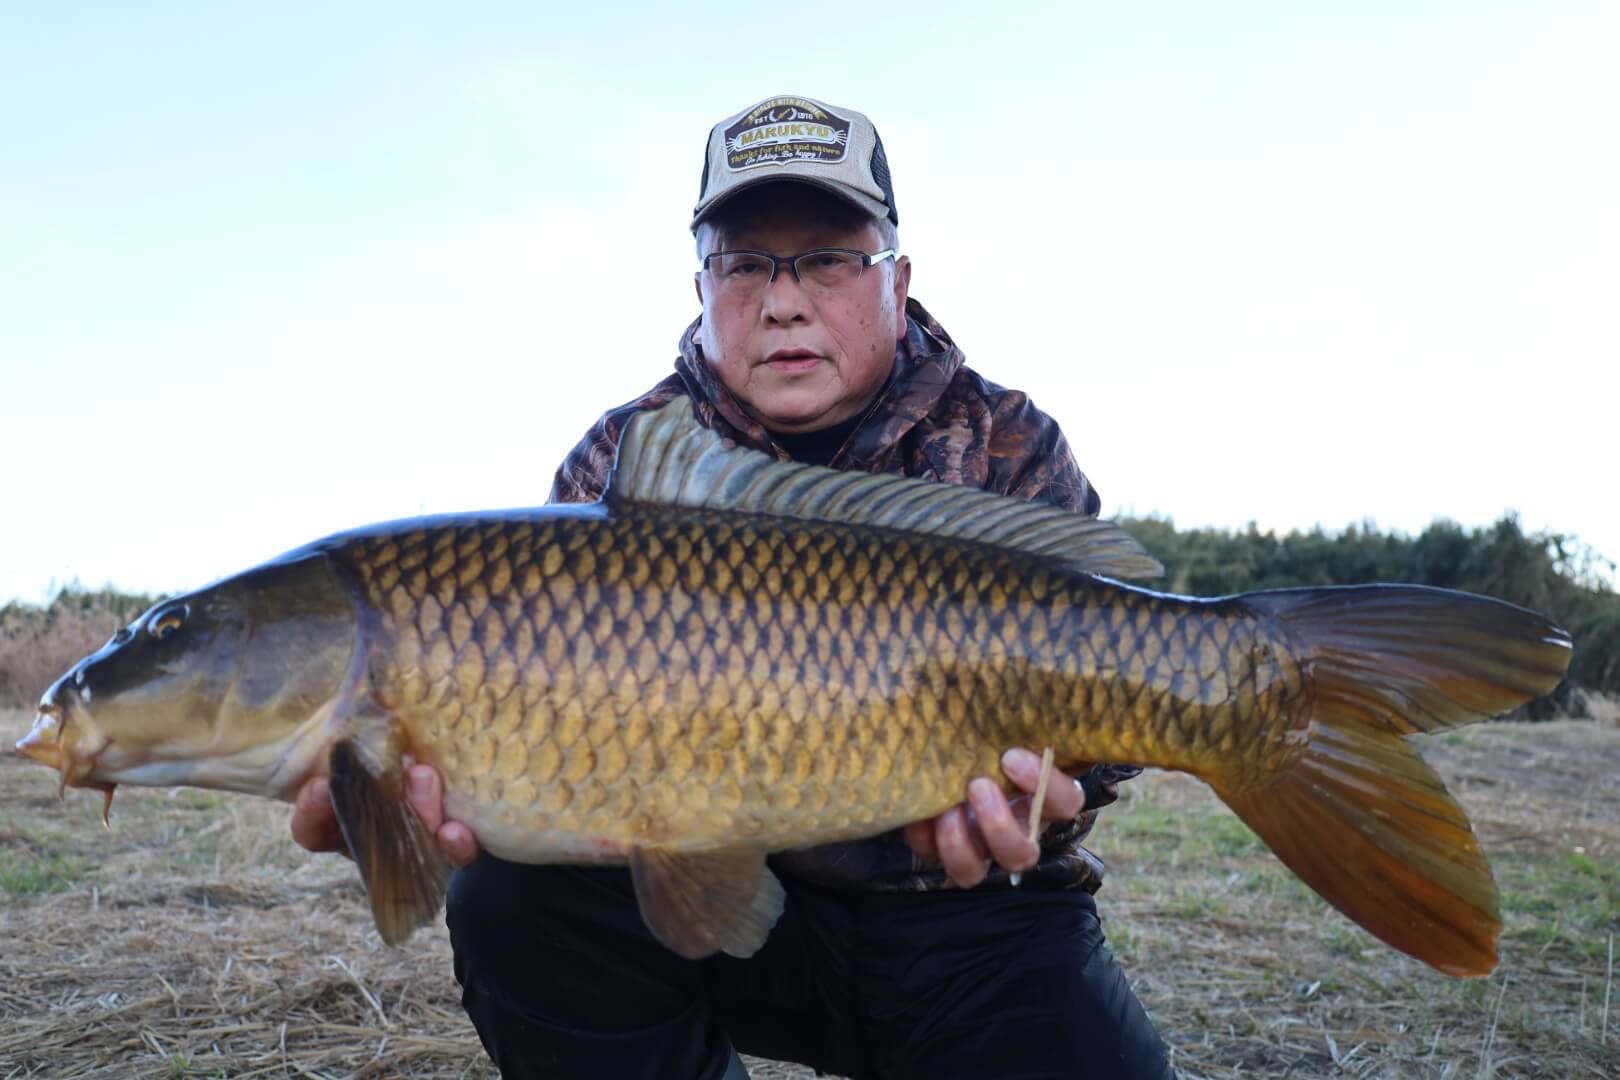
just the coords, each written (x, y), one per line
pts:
(1360, 816)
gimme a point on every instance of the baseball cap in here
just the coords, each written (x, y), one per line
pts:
(802, 139)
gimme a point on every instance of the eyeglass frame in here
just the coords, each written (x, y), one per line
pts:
(792, 261)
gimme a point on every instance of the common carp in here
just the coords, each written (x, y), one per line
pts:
(730, 656)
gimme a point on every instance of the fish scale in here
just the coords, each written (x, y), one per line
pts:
(873, 674)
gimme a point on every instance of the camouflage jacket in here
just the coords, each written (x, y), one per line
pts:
(934, 418)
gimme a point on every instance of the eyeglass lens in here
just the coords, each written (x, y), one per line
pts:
(745, 271)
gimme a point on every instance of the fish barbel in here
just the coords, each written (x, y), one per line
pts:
(730, 656)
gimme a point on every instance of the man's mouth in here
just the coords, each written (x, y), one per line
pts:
(793, 360)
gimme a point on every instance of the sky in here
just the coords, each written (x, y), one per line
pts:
(271, 271)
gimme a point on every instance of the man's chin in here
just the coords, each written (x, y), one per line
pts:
(791, 406)
(789, 420)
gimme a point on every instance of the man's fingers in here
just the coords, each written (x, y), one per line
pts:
(920, 837)
(425, 792)
(312, 796)
(458, 844)
(961, 848)
(1064, 798)
(1006, 837)
(965, 843)
(314, 826)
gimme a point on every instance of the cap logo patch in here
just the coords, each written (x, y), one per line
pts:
(784, 130)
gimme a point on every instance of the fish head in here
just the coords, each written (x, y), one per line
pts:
(225, 687)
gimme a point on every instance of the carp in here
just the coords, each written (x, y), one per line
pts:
(730, 656)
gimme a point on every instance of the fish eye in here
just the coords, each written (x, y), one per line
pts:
(121, 635)
(168, 622)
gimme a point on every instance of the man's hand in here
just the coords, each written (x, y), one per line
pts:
(988, 826)
(315, 826)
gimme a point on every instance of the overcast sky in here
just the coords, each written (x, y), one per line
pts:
(270, 271)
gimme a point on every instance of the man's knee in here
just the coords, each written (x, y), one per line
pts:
(561, 977)
(502, 912)
(477, 899)
(509, 921)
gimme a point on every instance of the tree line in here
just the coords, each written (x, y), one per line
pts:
(1547, 572)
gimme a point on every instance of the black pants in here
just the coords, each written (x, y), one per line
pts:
(562, 979)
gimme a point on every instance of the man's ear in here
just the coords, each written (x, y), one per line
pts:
(902, 288)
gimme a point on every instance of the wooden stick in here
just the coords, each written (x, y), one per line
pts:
(1039, 801)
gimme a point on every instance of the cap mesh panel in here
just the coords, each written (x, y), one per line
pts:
(880, 172)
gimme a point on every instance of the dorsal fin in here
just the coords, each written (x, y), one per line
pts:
(667, 457)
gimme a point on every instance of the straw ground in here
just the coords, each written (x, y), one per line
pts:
(194, 940)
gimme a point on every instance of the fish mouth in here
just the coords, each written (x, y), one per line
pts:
(43, 743)
(51, 743)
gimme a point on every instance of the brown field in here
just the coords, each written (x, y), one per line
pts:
(194, 940)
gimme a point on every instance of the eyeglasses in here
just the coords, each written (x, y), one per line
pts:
(746, 273)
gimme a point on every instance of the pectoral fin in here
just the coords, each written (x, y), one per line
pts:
(699, 905)
(404, 873)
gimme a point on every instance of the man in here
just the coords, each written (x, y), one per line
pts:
(915, 954)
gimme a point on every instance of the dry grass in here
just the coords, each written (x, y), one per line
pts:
(38, 644)
(193, 939)
(1248, 973)
(1601, 708)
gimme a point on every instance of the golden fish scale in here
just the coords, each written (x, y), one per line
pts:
(702, 679)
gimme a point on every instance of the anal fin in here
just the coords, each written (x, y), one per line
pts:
(404, 873)
(698, 905)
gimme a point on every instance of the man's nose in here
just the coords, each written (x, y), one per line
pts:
(786, 300)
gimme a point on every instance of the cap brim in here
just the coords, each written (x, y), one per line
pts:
(858, 199)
